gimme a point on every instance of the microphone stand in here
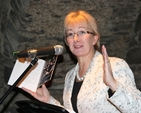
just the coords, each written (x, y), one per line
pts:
(32, 63)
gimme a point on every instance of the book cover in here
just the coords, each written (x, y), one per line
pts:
(39, 74)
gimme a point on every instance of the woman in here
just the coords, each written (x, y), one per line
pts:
(98, 83)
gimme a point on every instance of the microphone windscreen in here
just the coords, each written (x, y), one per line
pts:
(58, 49)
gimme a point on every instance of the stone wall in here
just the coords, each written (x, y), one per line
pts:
(26, 24)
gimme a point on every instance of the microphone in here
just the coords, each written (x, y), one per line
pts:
(40, 52)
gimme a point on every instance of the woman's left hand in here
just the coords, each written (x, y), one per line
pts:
(108, 78)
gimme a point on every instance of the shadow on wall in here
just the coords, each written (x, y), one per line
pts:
(134, 53)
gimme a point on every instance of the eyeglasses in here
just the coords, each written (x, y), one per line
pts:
(79, 34)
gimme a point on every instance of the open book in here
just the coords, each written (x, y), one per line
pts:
(39, 74)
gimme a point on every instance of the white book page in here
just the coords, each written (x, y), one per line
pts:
(31, 80)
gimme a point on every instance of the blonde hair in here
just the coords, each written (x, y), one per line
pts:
(82, 18)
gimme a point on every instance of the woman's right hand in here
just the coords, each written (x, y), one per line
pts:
(42, 94)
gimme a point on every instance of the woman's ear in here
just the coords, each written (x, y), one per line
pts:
(95, 39)
(65, 40)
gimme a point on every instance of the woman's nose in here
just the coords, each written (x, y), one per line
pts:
(76, 37)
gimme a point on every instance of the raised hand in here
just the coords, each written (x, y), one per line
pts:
(42, 94)
(108, 78)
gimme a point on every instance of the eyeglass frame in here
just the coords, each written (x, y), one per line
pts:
(73, 34)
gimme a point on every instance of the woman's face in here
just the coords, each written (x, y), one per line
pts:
(81, 41)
